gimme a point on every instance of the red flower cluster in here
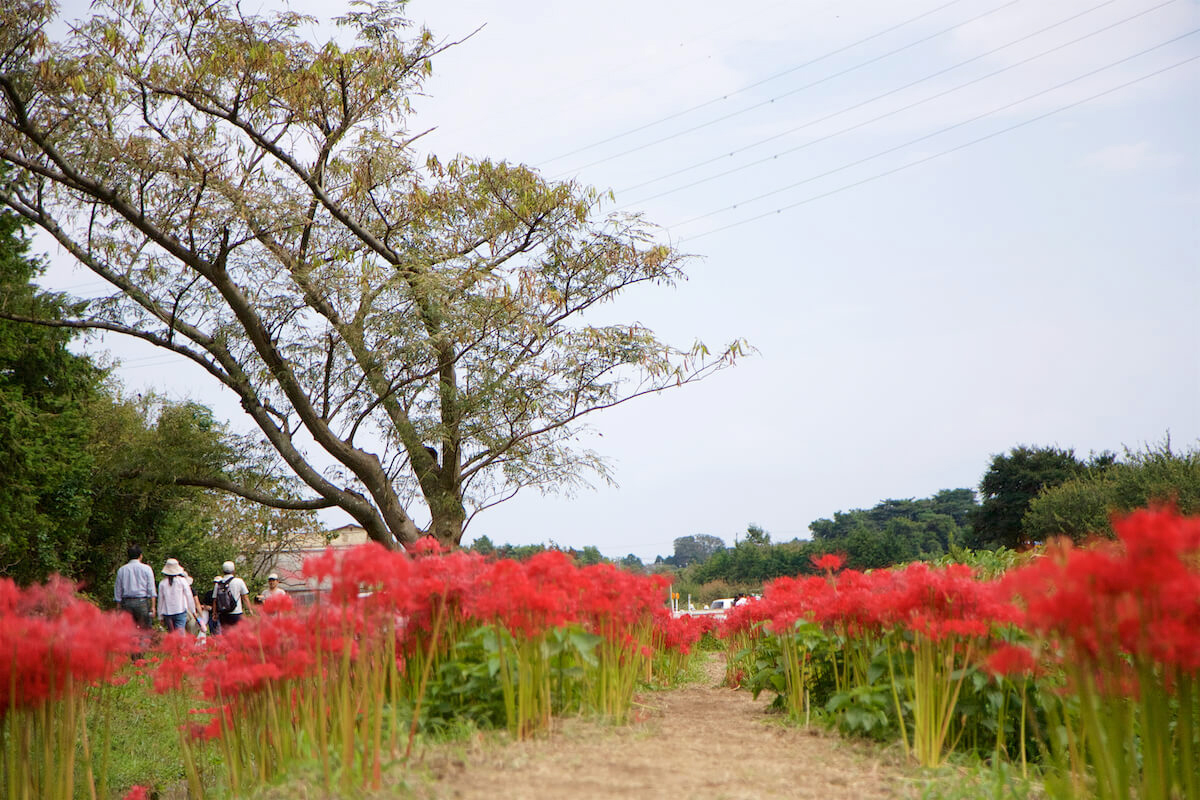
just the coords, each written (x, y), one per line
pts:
(51, 639)
(829, 563)
(679, 633)
(374, 594)
(935, 602)
(1136, 597)
(1102, 605)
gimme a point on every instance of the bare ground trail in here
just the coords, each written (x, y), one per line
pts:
(700, 742)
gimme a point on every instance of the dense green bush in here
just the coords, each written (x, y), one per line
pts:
(1084, 506)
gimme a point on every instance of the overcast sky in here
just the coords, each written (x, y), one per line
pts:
(949, 228)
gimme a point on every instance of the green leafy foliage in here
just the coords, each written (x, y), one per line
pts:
(1011, 483)
(466, 688)
(694, 549)
(892, 532)
(256, 201)
(863, 710)
(85, 472)
(895, 531)
(46, 396)
(1084, 506)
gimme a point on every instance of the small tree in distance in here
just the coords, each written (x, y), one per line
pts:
(695, 549)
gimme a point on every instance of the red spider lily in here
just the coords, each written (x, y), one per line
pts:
(278, 603)
(941, 602)
(50, 638)
(679, 633)
(829, 563)
(179, 658)
(528, 599)
(387, 617)
(1134, 597)
(137, 793)
(1011, 659)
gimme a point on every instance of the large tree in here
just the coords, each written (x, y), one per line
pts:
(405, 332)
(1010, 484)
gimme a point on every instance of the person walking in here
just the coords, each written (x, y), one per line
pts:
(175, 602)
(237, 588)
(273, 588)
(134, 590)
(208, 608)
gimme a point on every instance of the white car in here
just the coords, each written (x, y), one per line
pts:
(724, 604)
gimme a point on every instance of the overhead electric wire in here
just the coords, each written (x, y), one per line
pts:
(909, 85)
(940, 131)
(748, 87)
(789, 93)
(933, 156)
(136, 363)
(636, 67)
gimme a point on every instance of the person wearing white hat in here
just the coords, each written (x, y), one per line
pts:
(176, 604)
(273, 588)
(241, 594)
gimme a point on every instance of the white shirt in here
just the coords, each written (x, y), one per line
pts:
(175, 597)
(237, 588)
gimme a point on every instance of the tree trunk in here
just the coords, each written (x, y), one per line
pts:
(447, 529)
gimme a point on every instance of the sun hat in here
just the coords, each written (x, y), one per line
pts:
(272, 577)
(227, 568)
(172, 567)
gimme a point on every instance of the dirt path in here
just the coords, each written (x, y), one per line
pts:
(702, 742)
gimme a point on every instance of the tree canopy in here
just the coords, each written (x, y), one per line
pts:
(1083, 506)
(85, 472)
(695, 549)
(46, 392)
(406, 333)
(1011, 483)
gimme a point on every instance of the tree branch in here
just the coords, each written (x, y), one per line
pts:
(256, 496)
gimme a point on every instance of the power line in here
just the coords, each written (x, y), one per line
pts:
(635, 66)
(941, 130)
(789, 93)
(909, 85)
(746, 88)
(160, 361)
(955, 149)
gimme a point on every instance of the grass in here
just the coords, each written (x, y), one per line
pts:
(143, 746)
(974, 781)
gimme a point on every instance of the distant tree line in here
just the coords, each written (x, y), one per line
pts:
(1027, 495)
(891, 532)
(584, 556)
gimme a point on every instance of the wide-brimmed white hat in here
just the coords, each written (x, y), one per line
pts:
(172, 567)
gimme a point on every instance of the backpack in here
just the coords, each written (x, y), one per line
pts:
(223, 600)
